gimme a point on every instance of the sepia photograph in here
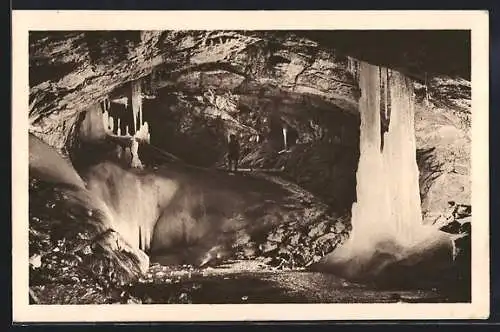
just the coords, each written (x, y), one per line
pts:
(161, 167)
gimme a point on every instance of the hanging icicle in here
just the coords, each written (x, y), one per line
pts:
(119, 130)
(426, 91)
(153, 79)
(136, 104)
(107, 104)
(106, 118)
(384, 109)
(386, 94)
(353, 66)
(285, 143)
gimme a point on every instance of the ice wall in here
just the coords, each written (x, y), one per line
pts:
(134, 201)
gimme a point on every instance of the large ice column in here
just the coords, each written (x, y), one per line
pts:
(400, 165)
(371, 210)
(386, 218)
(388, 201)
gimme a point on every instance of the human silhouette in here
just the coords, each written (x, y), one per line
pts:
(233, 153)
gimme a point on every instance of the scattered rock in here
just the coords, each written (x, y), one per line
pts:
(338, 227)
(297, 246)
(242, 238)
(295, 239)
(35, 261)
(268, 247)
(317, 230)
(74, 257)
(277, 236)
(250, 250)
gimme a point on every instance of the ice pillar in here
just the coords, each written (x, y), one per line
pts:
(370, 209)
(386, 217)
(387, 177)
(400, 163)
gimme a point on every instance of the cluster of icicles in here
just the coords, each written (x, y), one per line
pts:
(141, 134)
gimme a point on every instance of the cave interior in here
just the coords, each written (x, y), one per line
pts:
(290, 97)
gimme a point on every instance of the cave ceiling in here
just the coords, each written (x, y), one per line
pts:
(69, 71)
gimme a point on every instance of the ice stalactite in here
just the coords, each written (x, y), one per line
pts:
(386, 218)
(426, 89)
(136, 103)
(119, 132)
(384, 105)
(145, 238)
(353, 66)
(285, 143)
(107, 120)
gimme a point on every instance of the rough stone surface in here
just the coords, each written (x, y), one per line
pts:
(442, 126)
(74, 256)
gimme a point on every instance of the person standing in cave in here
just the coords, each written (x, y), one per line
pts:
(233, 153)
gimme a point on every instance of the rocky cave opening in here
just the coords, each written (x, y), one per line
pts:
(128, 155)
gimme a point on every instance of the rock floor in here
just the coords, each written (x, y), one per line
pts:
(255, 282)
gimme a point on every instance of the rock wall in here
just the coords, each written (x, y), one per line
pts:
(442, 124)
